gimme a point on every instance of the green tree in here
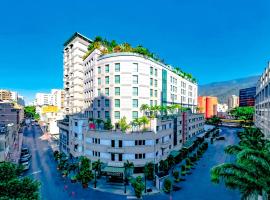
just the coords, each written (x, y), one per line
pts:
(108, 125)
(250, 173)
(149, 171)
(29, 111)
(214, 120)
(13, 187)
(144, 120)
(167, 187)
(138, 186)
(144, 108)
(243, 113)
(124, 126)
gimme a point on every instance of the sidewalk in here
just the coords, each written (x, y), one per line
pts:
(16, 148)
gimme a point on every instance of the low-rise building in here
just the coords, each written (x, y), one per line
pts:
(113, 147)
(5, 95)
(8, 134)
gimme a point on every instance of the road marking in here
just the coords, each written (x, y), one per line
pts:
(36, 172)
(131, 197)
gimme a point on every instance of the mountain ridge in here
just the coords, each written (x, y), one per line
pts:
(224, 89)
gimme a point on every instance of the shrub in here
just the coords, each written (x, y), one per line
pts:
(167, 185)
(138, 186)
(176, 176)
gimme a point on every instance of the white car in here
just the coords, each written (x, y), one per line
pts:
(26, 165)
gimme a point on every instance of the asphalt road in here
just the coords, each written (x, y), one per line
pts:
(54, 186)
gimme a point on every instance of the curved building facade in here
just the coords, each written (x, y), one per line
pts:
(117, 84)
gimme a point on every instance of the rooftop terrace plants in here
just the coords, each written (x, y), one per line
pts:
(107, 47)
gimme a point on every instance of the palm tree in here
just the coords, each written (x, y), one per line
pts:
(144, 120)
(128, 166)
(123, 124)
(251, 172)
(144, 108)
(138, 122)
(97, 167)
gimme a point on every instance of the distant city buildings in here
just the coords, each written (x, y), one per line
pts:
(233, 102)
(208, 105)
(262, 103)
(5, 95)
(55, 98)
(247, 96)
(222, 110)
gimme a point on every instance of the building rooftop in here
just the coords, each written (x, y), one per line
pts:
(76, 34)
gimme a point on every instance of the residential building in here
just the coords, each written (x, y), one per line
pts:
(233, 102)
(222, 110)
(8, 134)
(74, 49)
(43, 99)
(14, 96)
(114, 86)
(247, 96)
(117, 84)
(208, 105)
(49, 115)
(164, 135)
(57, 98)
(262, 103)
(5, 95)
(11, 113)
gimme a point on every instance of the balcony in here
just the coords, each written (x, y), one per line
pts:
(115, 150)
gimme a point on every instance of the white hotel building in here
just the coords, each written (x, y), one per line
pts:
(262, 102)
(114, 86)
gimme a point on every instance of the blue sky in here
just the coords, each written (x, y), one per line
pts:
(213, 40)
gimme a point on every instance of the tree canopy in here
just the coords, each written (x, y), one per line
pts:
(243, 113)
(12, 187)
(30, 112)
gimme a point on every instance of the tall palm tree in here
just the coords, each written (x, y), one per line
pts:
(97, 167)
(144, 120)
(251, 171)
(138, 122)
(144, 108)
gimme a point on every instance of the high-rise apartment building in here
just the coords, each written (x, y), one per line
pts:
(247, 96)
(208, 105)
(233, 101)
(262, 103)
(58, 98)
(74, 49)
(114, 85)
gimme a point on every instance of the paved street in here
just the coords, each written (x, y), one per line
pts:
(197, 186)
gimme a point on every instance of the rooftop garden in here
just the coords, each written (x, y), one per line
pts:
(107, 47)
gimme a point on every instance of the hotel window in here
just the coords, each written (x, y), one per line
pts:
(120, 157)
(107, 102)
(107, 68)
(135, 103)
(155, 83)
(135, 67)
(99, 70)
(134, 114)
(135, 79)
(155, 72)
(151, 92)
(98, 114)
(107, 114)
(99, 81)
(155, 102)
(151, 81)
(107, 91)
(117, 67)
(117, 103)
(117, 114)
(107, 80)
(135, 91)
(117, 91)
(151, 102)
(151, 70)
(113, 157)
(98, 91)
(117, 78)
(155, 93)
(98, 103)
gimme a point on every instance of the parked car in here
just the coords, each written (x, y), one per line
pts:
(220, 138)
(25, 165)
(24, 150)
